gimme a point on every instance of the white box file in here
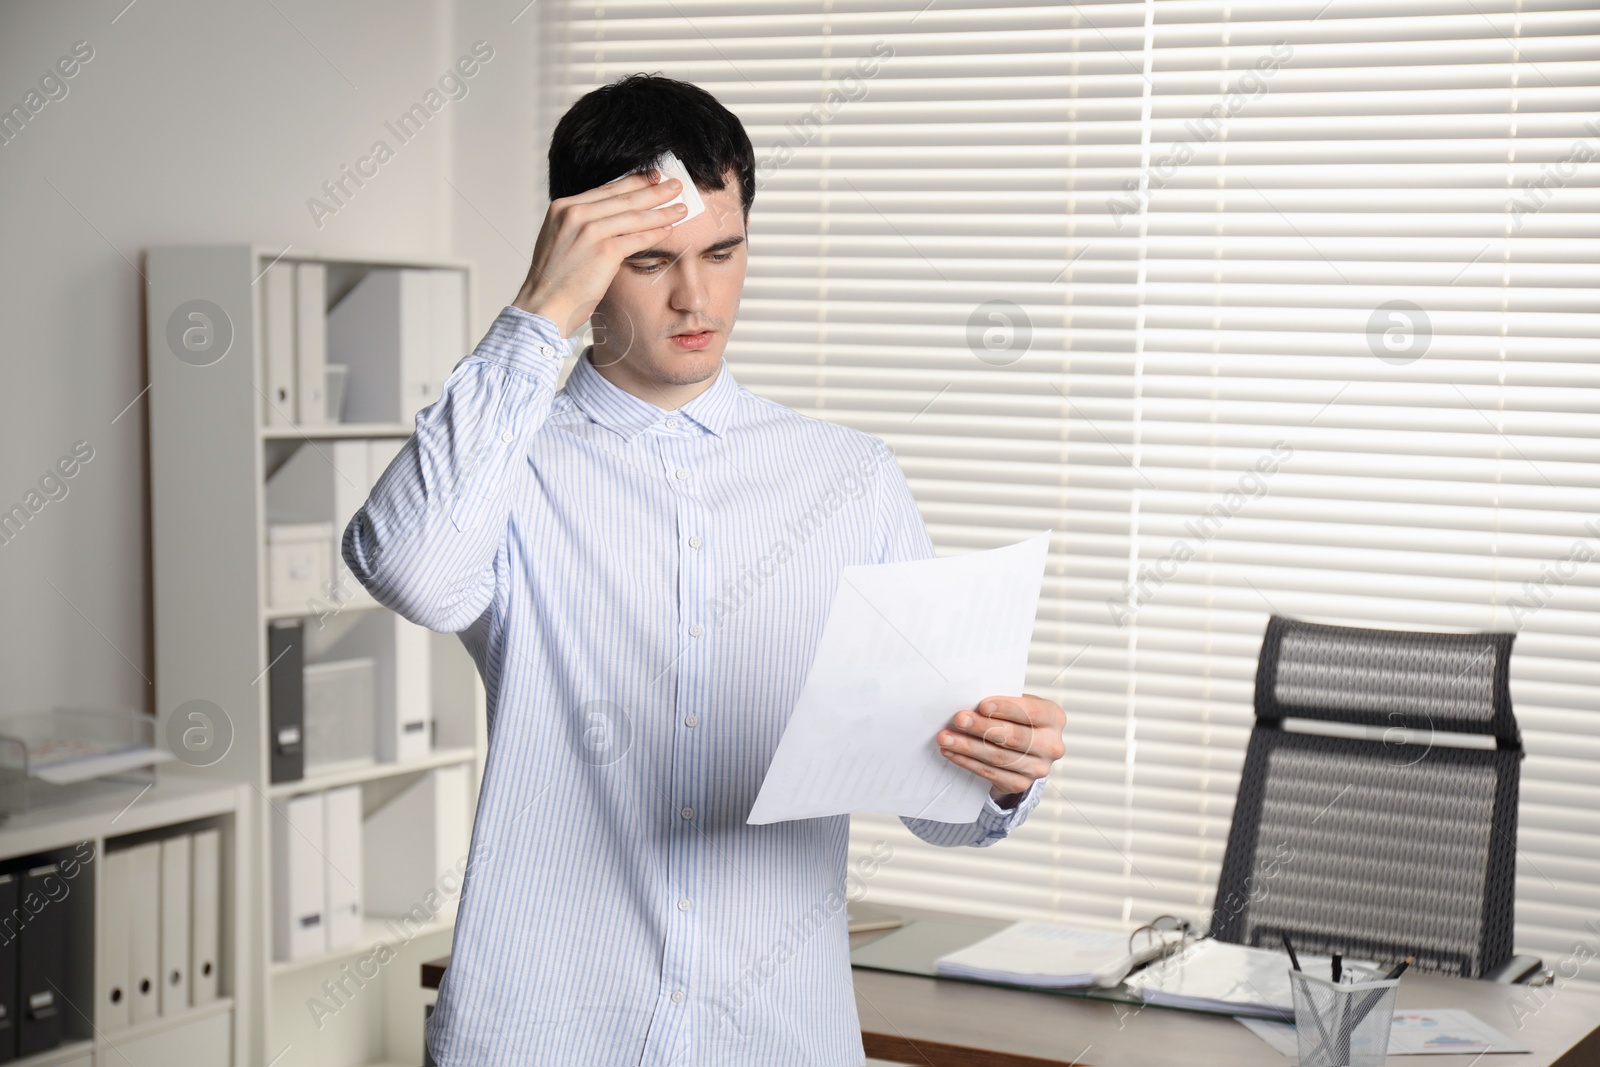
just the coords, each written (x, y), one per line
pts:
(205, 930)
(343, 875)
(416, 848)
(299, 894)
(400, 331)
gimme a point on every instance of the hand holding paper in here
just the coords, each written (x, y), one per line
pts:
(905, 645)
(1012, 741)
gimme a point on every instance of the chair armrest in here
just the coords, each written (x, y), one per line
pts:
(1520, 970)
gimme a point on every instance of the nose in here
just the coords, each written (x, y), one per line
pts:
(689, 293)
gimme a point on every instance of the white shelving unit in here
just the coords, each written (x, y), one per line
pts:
(210, 455)
(110, 813)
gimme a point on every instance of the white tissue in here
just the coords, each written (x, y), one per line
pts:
(672, 167)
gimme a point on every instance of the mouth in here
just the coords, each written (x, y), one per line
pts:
(693, 339)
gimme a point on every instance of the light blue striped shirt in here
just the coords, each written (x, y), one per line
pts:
(643, 591)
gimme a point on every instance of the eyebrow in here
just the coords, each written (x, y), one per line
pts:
(662, 253)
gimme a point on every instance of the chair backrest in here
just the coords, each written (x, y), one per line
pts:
(1371, 847)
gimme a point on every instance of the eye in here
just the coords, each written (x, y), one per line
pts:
(719, 258)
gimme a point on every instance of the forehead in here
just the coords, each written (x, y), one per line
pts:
(722, 220)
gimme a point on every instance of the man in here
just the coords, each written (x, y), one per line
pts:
(641, 564)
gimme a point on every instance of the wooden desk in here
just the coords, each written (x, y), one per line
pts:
(936, 1022)
(945, 1023)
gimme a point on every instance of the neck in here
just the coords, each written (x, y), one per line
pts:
(665, 395)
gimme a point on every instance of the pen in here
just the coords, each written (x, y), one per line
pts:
(1398, 969)
(1336, 968)
(1370, 1001)
(1327, 1041)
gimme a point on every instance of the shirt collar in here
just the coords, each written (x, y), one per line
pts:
(617, 409)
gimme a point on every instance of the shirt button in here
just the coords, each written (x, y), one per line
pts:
(692, 720)
(683, 472)
(547, 350)
(677, 996)
(695, 630)
(687, 813)
(508, 437)
(672, 424)
(683, 905)
(694, 542)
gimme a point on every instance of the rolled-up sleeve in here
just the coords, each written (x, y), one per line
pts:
(425, 541)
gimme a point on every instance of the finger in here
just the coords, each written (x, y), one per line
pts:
(1018, 759)
(1006, 781)
(995, 731)
(657, 193)
(1012, 709)
(626, 183)
(645, 223)
(641, 199)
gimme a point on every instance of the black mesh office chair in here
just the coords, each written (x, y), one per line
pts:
(1379, 848)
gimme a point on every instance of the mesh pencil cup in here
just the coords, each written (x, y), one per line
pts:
(1345, 1024)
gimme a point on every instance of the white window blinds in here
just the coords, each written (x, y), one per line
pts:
(1261, 307)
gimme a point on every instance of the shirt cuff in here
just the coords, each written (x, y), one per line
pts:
(523, 341)
(994, 818)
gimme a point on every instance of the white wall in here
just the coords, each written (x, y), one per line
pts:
(207, 122)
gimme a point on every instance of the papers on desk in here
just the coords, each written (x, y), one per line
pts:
(1416, 1032)
(1045, 955)
(906, 646)
(1233, 979)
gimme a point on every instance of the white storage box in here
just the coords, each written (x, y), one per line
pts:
(339, 703)
(299, 568)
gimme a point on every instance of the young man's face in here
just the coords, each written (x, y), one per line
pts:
(690, 279)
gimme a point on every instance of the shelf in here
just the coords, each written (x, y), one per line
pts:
(334, 431)
(265, 254)
(374, 931)
(367, 772)
(210, 453)
(356, 603)
(66, 1052)
(115, 808)
(113, 1038)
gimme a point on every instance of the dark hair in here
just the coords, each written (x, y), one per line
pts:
(620, 127)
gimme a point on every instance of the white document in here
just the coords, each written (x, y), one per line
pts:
(905, 647)
(1416, 1032)
(1220, 976)
(111, 977)
(144, 924)
(81, 768)
(205, 888)
(1047, 955)
(175, 855)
